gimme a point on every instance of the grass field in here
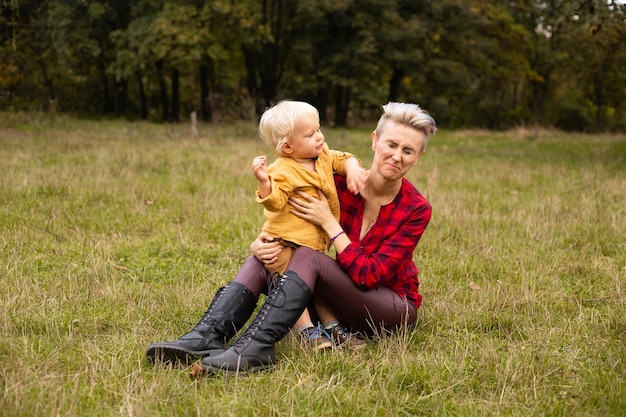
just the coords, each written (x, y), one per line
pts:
(116, 234)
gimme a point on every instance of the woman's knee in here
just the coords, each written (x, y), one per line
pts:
(253, 275)
(303, 252)
(303, 259)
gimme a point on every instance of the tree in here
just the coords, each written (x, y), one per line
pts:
(79, 32)
(491, 63)
(268, 34)
(344, 50)
(599, 38)
(28, 76)
(160, 40)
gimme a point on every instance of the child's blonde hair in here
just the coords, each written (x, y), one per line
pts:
(278, 122)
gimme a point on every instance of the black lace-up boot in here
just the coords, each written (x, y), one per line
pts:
(231, 307)
(254, 350)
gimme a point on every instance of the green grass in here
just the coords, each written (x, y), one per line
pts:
(116, 234)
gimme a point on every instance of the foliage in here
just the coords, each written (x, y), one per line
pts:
(489, 64)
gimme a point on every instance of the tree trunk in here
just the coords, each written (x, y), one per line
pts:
(107, 101)
(108, 91)
(47, 80)
(394, 84)
(321, 104)
(251, 79)
(206, 112)
(175, 95)
(143, 100)
(121, 96)
(539, 90)
(165, 104)
(342, 104)
(598, 98)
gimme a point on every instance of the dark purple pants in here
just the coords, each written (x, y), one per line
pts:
(369, 312)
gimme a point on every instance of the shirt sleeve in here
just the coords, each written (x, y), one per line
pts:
(338, 160)
(373, 268)
(282, 189)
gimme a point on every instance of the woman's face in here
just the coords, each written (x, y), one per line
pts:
(396, 150)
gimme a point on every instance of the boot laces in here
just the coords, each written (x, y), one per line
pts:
(204, 320)
(275, 289)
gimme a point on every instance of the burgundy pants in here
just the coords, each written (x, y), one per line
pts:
(368, 312)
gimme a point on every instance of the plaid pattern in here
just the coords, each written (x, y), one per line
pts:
(385, 255)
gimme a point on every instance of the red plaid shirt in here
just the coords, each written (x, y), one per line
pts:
(385, 255)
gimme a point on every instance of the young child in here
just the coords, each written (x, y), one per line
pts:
(304, 163)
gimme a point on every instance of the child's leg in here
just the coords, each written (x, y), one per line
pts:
(280, 265)
(314, 337)
(304, 322)
(327, 317)
(311, 334)
(340, 335)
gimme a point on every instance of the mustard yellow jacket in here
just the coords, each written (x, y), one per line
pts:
(287, 176)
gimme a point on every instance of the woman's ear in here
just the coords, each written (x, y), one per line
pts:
(374, 140)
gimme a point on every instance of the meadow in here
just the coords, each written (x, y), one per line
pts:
(115, 234)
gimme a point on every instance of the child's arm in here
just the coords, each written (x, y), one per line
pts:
(356, 175)
(259, 168)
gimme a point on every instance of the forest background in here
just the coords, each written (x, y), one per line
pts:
(487, 64)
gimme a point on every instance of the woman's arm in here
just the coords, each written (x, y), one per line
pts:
(370, 268)
(318, 212)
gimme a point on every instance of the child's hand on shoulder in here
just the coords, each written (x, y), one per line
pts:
(356, 179)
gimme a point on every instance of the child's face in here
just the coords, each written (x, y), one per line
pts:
(307, 140)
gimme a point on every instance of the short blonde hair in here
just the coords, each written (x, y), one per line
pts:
(278, 122)
(410, 115)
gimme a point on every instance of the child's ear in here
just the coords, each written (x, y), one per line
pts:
(286, 148)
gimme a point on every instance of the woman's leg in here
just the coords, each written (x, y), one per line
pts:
(228, 312)
(254, 350)
(363, 311)
(254, 276)
(230, 309)
(304, 323)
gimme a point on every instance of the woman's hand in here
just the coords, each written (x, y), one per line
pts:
(265, 248)
(316, 211)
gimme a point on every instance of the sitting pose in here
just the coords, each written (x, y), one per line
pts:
(372, 286)
(306, 164)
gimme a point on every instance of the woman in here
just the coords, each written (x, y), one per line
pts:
(375, 239)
